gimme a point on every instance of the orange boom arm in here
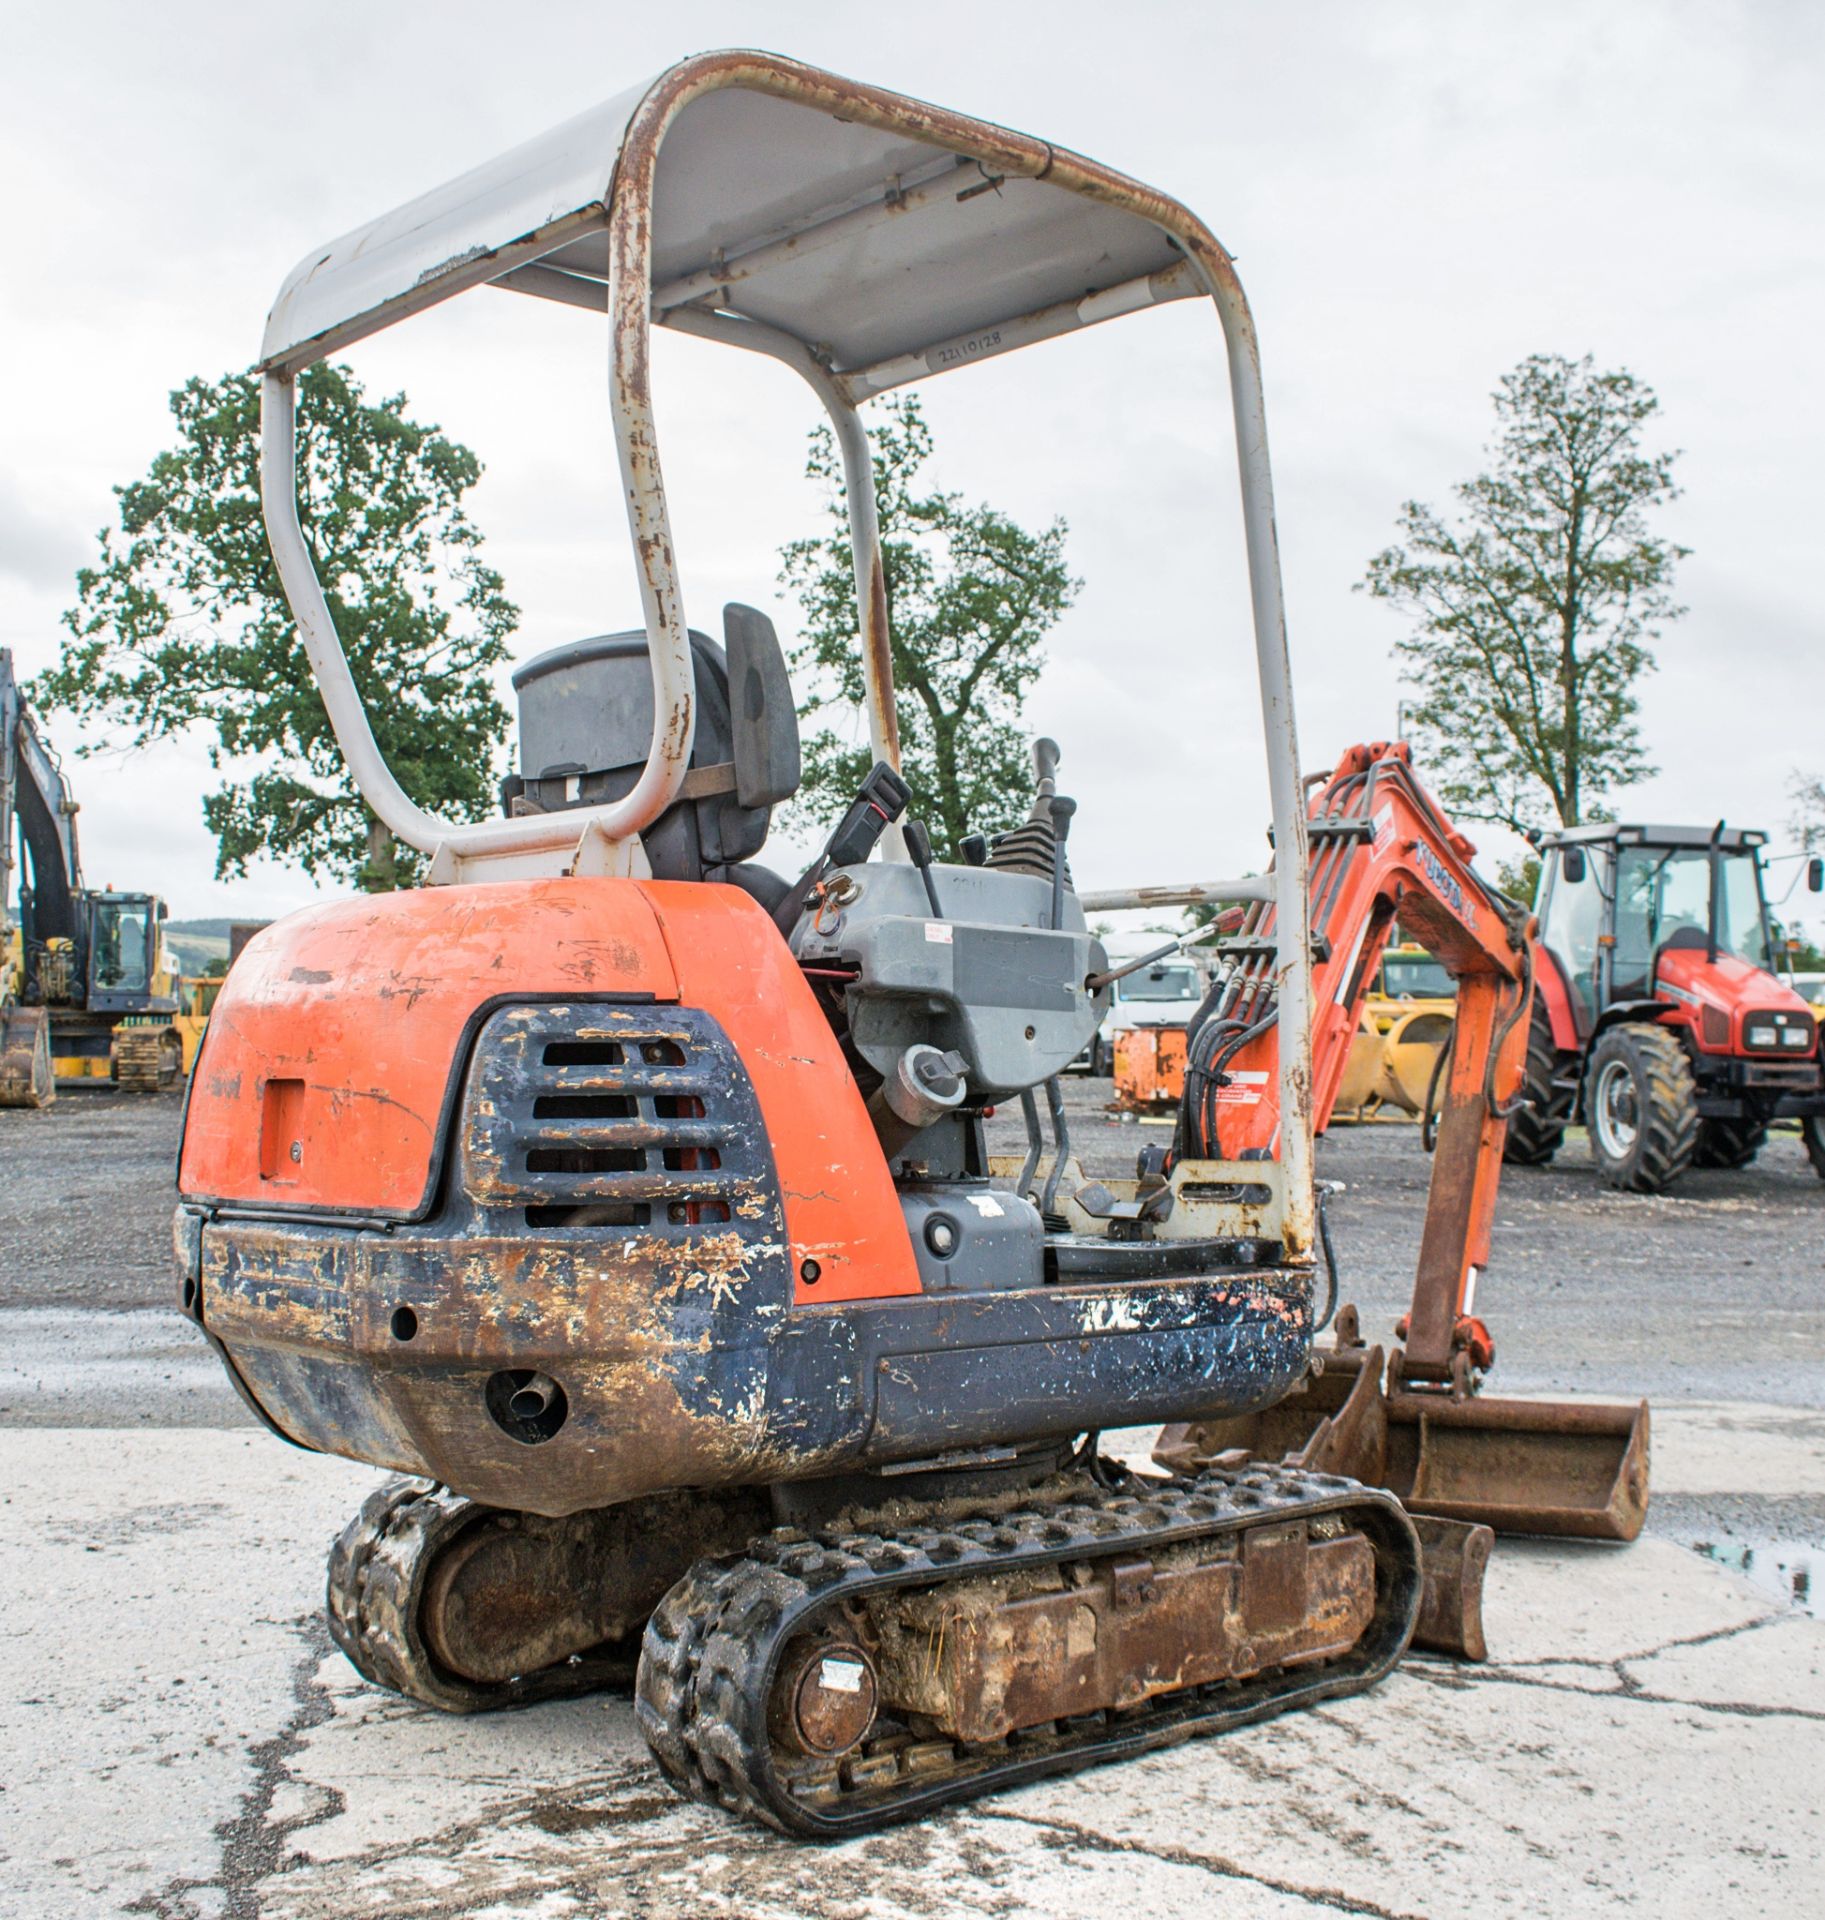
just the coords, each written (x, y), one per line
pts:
(1382, 850)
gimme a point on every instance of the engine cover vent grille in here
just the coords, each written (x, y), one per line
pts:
(592, 1115)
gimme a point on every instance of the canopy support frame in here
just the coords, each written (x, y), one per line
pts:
(465, 850)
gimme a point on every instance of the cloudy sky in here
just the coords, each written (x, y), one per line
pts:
(1418, 195)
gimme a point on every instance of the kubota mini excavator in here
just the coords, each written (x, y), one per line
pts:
(634, 1198)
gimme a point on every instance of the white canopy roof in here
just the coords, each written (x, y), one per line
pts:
(870, 226)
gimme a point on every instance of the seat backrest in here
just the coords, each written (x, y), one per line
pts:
(586, 722)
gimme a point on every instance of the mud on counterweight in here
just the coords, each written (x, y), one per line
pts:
(775, 1685)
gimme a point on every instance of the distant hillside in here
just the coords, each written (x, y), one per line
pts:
(195, 952)
(209, 929)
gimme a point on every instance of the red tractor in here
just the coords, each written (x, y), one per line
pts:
(1658, 1021)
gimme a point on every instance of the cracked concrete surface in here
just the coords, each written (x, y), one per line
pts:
(181, 1741)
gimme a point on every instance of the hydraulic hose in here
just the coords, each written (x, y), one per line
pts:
(1228, 1039)
(1106, 1473)
(1428, 1119)
(1506, 1110)
(1330, 1265)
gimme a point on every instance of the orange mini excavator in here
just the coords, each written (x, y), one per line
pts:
(633, 1198)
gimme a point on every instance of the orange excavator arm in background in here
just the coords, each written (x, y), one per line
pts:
(1382, 850)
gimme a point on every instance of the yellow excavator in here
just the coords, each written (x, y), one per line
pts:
(88, 989)
(1394, 1060)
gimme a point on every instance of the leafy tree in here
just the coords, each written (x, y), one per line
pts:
(1519, 879)
(970, 597)
(182, 625)
(1534, 607)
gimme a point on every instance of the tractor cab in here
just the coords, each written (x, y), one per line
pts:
(1659, 1018)
(1632, 914)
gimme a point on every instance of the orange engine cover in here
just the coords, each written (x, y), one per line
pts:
(333, 1059)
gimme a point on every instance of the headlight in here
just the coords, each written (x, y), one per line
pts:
(1771, 1030)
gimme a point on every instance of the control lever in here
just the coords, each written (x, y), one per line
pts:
(879, 802)
(1061, 810)
(1226, 922)
(919, 852)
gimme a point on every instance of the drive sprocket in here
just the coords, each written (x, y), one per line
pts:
(379, 1572)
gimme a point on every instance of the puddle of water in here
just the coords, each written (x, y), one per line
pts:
(1782, 1568)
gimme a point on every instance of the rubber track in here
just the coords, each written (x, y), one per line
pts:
(377, 1571)
(1668, 1135)
(714, 1643)
(137, 1052)
(1534, 1133)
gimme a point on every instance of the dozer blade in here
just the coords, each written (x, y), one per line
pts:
(26, 1079)
(1511, 1466)
(1453, 1558)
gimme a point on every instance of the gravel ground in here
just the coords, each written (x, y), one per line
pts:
(85, 1201)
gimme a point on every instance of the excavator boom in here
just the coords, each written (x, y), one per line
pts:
(1382, 851)
(30, 792)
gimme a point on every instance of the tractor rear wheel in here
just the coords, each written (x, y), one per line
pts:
(1641, 1105)
(1812, 1131)
(1535, 1131)
(1729, 1143)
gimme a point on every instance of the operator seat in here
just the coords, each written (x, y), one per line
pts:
(586, 723)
